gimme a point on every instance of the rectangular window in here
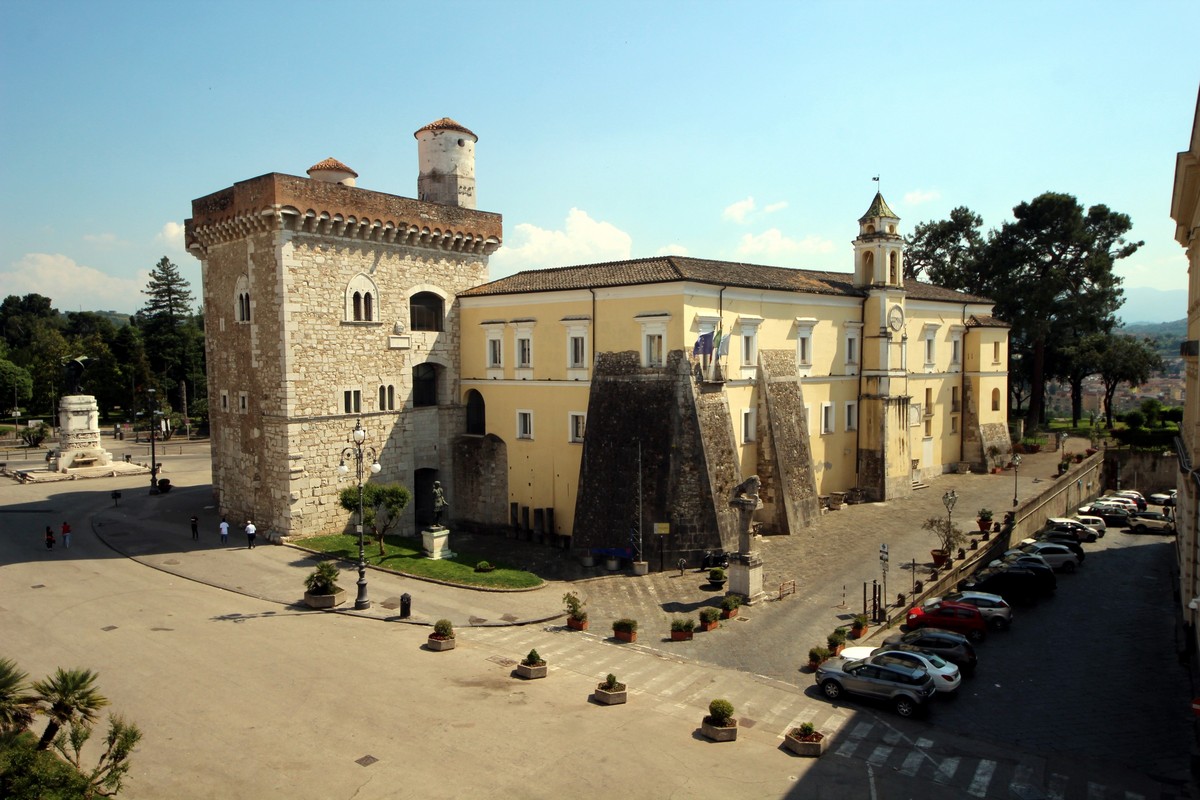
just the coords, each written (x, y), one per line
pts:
(996, 352)
(524, 424)
(928, 428)
(224, 400)
(576, 425)
(351, 401)
(749, 422)
(954, 403)
(851, 349)
(929, 351)
(524, 352)
(749, 348)
(243, 401)
(852, 416)
(955, 351)
(928, 402)
(654, 350)
(578, 352)
(495, 354)
(954, 424)
(804, 350)
(826, 417)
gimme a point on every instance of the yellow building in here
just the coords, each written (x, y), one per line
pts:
(617, 396)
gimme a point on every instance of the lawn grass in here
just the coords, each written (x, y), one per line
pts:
(404, 555)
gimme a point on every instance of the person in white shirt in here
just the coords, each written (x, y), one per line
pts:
(251, 533)
(224, 531)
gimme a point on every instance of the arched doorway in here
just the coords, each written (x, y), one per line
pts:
(423, 497)
(476, 414)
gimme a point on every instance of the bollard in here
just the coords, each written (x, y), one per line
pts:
(405, 605)
(116, 498)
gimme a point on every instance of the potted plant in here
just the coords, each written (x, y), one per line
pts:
(532, 666)
(610, 693)
(682, 628)
(625, 629)
(858, 628)
(836, 641)
(994, 458)
(949, 537)
(984, 519)
(708, 618)
(719, 725)
(730, 604)
(1063, 466)
(442, 637)
(816, 655)
(321, 589)
(716, 577)
(805, 740)
(577, 618)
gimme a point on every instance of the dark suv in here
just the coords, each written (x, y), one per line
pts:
(907, 688)
(1015, 584)
(951, 646)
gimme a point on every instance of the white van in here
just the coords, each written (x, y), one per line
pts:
(1095, 523)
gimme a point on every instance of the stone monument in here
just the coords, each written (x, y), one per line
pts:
(79, 434)
(746, 569)
(436, 538)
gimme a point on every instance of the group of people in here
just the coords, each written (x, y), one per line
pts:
(66, 536)
(251, 532)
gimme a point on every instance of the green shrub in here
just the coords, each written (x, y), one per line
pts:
(574, 606)
(731, 601)
(533, 659)
(680, 624)
(709, 615)
(484, 566)
(836, 639)
(807, 728)
(611, 685)
(716, 574)
(985, 514)
(860, 622)
(444, 629)
(720, 711)
(818, 654)
(323, 579)
(625, 625)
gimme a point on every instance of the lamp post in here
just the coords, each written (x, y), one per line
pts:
(1016, 462)
(153, 426)
(358, 452)
(948, 500)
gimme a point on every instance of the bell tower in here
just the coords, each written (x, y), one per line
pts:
(879, 248)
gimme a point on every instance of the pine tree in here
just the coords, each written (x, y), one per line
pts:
(167, 324)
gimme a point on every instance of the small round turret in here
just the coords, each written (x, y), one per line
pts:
(446, 152)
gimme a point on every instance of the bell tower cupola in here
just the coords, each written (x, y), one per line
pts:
(879, 248)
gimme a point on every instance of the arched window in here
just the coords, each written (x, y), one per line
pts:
(869, 266)
(425, 385)
(893, 268)
(995, 399)
(476, 414)
(425, 311)
(361, 297)
(383, 398)
(242, 290)
(387, 397)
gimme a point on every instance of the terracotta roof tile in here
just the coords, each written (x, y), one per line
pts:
(331, 164)
(444, 124)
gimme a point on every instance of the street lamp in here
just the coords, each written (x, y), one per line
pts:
(357, 451)
(153, 425)
(948, 500)
(1016, 462)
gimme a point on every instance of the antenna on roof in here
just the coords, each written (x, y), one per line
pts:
(880, 186)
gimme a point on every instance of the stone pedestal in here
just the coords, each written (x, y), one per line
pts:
(746, 579)
(436, 542)
(746, 569)
(79, 434)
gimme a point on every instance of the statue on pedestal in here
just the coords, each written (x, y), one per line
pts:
(439, 504)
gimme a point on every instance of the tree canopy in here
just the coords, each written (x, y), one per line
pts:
(382, 505)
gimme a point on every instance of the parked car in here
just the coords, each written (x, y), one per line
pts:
(1116, 499)
(1166, 498)
(908, 689)
(946, 676)
(1136, 497)
(1020, 586)
(995, 609)
(1081, 531)
(958, 617)
(1113, 516)
(1146, 521)
(1095, 523)
(1057, 555)
(1068, 540)
(954, 647)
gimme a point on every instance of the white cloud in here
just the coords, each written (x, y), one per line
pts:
(72, 286)
(738, 211)
(102, 239)
(780, 206)
(672, 250)
(773, 244)
(171, 234)
(583, 240)
(919, 196)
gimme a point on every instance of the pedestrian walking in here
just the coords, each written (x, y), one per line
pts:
(66, 534)
(195, 528)
(251, 533)
(224, 531)
(49, 538)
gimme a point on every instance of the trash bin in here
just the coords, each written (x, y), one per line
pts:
(405, 605)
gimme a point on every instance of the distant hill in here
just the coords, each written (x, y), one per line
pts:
(1152, 305)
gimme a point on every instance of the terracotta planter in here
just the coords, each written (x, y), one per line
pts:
(729, 613)
(531, 672)
(811, 748)
(983, 524)
(940, 557)
(438, 645)
(577, 624)
(325, 600)
(606, 698)
(719, 733)
(625, 636)
(858, 633)
(709, 626)
(681, 636)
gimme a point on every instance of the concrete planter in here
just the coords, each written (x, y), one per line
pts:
(801, 747)
(719, 733)
(606, 698)
(438, 645)
(530, 672)
(325, 600)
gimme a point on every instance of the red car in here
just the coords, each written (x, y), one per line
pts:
(957, 617)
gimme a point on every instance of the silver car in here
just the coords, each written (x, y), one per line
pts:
(907, 688)
(1058, 556)
(1146, 521)
(994, 608)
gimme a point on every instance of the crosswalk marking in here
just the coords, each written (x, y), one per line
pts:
(946, 769)
(982, 777)
(847, 748)
(912, 763)
(879, 755)
(893, 737)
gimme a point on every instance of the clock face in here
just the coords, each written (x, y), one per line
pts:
(896, 318)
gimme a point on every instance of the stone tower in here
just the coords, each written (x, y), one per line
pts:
(326, 304)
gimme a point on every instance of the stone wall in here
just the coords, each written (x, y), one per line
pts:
(790, 494)
(481, 484)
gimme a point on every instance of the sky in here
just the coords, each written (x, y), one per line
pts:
(745, 131)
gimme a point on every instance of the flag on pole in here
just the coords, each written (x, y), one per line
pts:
(704, 345)
(723, 350)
